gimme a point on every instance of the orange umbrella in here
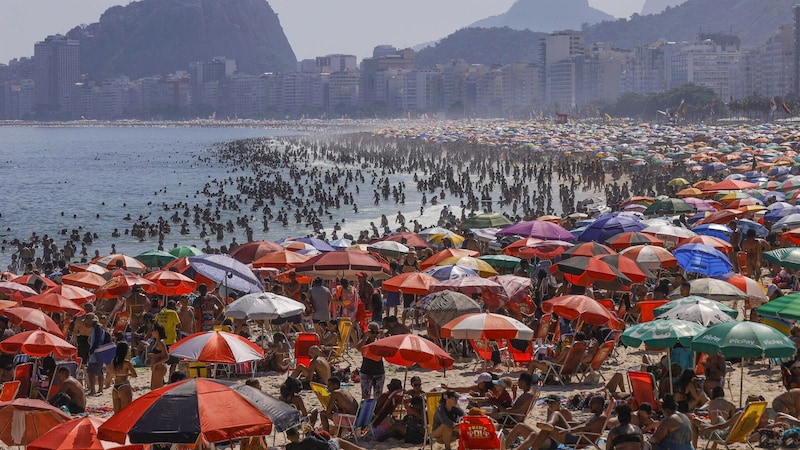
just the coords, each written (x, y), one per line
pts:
(792, 236)
(78, 433)
(724, 216)
(37, 282)
(183, 267)
(411, 240)
(589, 249)
(283, 277)
(572, 307)
(280, 259)
(86, 280)
(251, 251)
(712, 241)
(53, 302)
(118, 260)
(38, 343)
(689, 192)
(123, 285)
(171, 283)
(74, 293)
(409, 349)
(24, 420)
(444, 254)
(32, 319)
(410, 283)
(514, 248)
(15, 290)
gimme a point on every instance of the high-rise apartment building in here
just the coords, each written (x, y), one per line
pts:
(57, 67)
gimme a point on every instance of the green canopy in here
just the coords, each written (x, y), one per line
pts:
(785, 257)
(668, 206)
(696, 299)
(661, 333)
(155, 258)
(786, 307)
(744, 340)
(487, 220)
(185, 251)
(501, 261)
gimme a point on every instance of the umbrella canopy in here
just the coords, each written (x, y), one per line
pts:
(283, 416)
(538, 229)
(629, 267)
(344, 264)
(281, 259)
(468, 285)
(702, 259)
(32, 319)
(515, 247)
(185, 251)
(668, 206)
(35, 282)
(713, 289)
(450, 272)
(785, 307)
(610, 225)
(264, 306)
(711, 241)
(786, 223)
(24, 420)
(182, 266)
(723, 217)
(631, 238)
(482, 268)
(543, 249)
(118, 260)
(486, 326)
(446, 253)
(580, 307)
(74, 293)
(78, 434)
(754, 290)
(185, 411)
(486, 220)
(785, 257)
(156, 258)
(86, 280)
(318, 244)
(438, 238)
(388, 248)
(410, 239)
(669, 233)
(53, 302)
(38, 343)
(661, 333)
(729, 185)
(444, 306)
(415, 283)
(16, 290)
(409, 349)
(650, 257)
(697, 313)
(515, 288)
(123, 285)
(227, 271)
(171, 283)
(501, 261)
(696, 300)
(588, 249)
(217, 347)
(744, 340)
(251, 251)
(582, 271)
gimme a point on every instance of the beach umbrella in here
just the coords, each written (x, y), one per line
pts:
(340, 244)
(787, 222)
(409, 349)
(678, 182)
(118, 260)
(746, 225)
(515, 288)
(702, 314)
(344, 264)
(690, 192)
(123, 285)
(111, 273)
(668, 206)
(661, 333)
(283, 416)
(581, 307)
(217, 347)
(588, 249)
(86, 280)
(538, 229)
(182, 266)
(263, 306)
(784, 307)
(248, 252)
(53, 302)
(754, 290)
(701, 205)
(32, 319)
(729, 185)
(94, 268)
(631, 238)
(415, 283)
(501, 261)
(35, 282)
(468, 285)
(478, 266)
(716, 230)
(792, 236)
(281, 259)
(156, 258)
(409, 239)
(713, 289)
(12, 289)
(227, 271)
(582, 270)
(446, 253)
(74, 293)
(185, 251)
(485, 220)
(444, 306)
(171, 283)
(695, 300)
(185, 411)
(450, 272)
(514, 248)
(628, 267)
(711, 241)
(702, 259)
(78, 434)
(610, 225)
(38, 343)
(669, 233)
(5, 304)
(24, 420)
(486, 326)
(388, 248)
(543, 249)
(724, 216)
(438, 238)
(788, 257)
(318, 244)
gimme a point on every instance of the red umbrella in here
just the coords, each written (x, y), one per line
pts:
(711, 241)
(37, 282)
(631, 238)
(415, 283)
(792, 236)
(628, 267)
(123, 285)
(74, 293)
(251, 251)
(514, 248)
(650, 256)
(412, 240)
(216, 347)
(724, 216)
(280, 259)
(112, 273)
(118, 260)
(87, 280)
(589, 249)
(344, 264)
(730, 185)
(53, 302)
(407, 350)
(24, 420)
(184, 268)
(171, 283)
(468, 285)
(544, 249)
(183, 412)
(32, 319)
(78, 434)
(486, 326)
(582, 271)
(444, 254)
(515, 288)
(38, 343)
(572, 307)
(16, 290)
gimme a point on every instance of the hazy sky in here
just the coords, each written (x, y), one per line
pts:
(313, 27)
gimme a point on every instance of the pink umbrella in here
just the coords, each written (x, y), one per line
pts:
(468, 285)
(515, 288)
(16, 290)
(344, 264)
(700, 205)
(539, 229)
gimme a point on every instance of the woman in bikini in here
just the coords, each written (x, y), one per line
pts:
(121, 369)
(158, 357)
(279, 353)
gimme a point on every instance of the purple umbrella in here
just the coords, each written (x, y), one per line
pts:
(539, 229)
(610, 225)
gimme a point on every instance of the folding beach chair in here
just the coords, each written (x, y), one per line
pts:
(479, 433)
(600, 356)
(587, 439)
(9, 391)
(73, 371)
(520, 357)
(741, 430)
(643, 388)
(484, 351)
(544, 328)
(562, 372)
(321, 391)
(340, 351)
(23, 373)
(355, 423)
(510, 420)
(432, 401)
(304, 342)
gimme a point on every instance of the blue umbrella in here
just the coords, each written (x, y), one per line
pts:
(787, 222)
(341, 243)
(714, 229)
(714, 167)
(777, 214)
(702, 259)
(778, 196)
(318, 244)
(227, 271)
(610, 225)
(443, 273)
(747, 224)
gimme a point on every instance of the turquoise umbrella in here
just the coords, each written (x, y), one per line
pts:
(155, 258)
(784, 257)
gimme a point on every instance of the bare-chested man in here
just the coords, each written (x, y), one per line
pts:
(752, 247)
(318, 370)
(188, 318)
(70, 392)
(788, 402)
(82, 332)
(714, 370)
(341, 402)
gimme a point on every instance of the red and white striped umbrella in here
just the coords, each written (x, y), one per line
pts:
(216, 347)
(486, 326)
(129, 263)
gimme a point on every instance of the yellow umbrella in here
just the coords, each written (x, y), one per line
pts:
(456, 239)
(483, 268)
(678, 182)
(689, 192)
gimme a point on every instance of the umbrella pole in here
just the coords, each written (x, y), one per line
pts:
(741, 381)
(405, 378)
(669, 369)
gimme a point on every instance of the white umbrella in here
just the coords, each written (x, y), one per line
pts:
(698, 313)
(264, 306)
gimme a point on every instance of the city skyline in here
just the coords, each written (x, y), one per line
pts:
(22, 24)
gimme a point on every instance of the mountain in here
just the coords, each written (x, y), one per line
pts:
(754, 21)
(150, 37)
(656, 6)
(487, 46)
(545, 15)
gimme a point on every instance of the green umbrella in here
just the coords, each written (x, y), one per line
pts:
(155, 258)
(696, 299)
(501, 261)
(784, 257)
(668, 206)
(786, 307)
(185, 251)
(487, 220)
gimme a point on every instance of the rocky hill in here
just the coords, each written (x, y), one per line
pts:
(486, 46)
(545, 15)
(151, 37)
(657, 6)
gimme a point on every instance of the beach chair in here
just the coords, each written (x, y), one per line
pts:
(643, 388)
(340, 351)
(521, 358)
(510, 420)
(544, 329)
(484, 351)
(23, 374)
(741, 430)
(432, 401)
(600, 356)
(479, 433)
(355, 423)
(607, 303)
(73, 371)
(198, 370)
(321, 391)
(586, 439)
(304, 342)
(562, 372)
(9, 391)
